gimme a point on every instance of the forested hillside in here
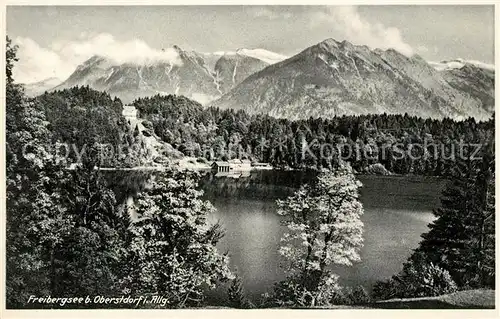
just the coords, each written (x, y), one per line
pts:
(314, 143)
(68, 232)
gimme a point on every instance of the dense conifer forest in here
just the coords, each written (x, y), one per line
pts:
(401, 143)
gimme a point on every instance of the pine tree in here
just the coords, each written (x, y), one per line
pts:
(482, 246)
(236, 295)
(461, 239)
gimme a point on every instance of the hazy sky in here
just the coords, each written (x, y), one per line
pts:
(54, 40)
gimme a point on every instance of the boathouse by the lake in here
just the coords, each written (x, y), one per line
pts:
(221, 166)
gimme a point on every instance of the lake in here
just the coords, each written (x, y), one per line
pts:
(397, 211)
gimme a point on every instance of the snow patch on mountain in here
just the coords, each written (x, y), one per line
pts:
(264, 55)
(460, 63)
(260, 54)
(482, 65)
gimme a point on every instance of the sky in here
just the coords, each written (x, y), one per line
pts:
(54, 40)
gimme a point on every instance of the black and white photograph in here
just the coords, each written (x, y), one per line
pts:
(249, 157)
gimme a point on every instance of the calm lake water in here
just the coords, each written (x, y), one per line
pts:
(397, 211)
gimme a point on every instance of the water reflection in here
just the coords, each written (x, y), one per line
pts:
(397, 212)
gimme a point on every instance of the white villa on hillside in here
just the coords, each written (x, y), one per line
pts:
(129, 112)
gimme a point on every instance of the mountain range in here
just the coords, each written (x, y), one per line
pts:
(328, 79)
(338, 78)
(200, 76)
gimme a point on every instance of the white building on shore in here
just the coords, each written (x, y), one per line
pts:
(232, 165)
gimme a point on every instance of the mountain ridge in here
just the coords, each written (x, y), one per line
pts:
(334, 78)
(330, 78)
(199, 76)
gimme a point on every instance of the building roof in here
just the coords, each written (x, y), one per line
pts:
(220, 163)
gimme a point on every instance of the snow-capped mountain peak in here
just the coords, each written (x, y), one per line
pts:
(331, 78)
(335, 78)
(200, 76)
(460, 63)
(263, 55)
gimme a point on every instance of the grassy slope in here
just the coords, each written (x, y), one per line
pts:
(472, 299)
